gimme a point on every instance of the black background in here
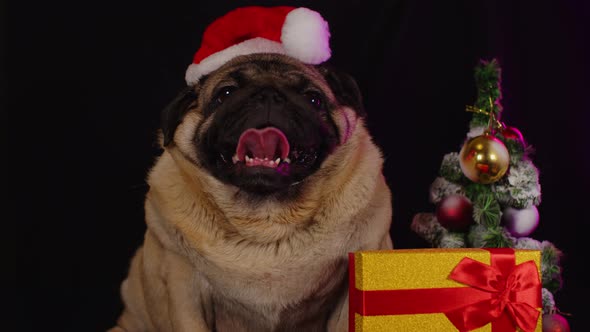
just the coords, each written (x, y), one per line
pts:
(83, 85)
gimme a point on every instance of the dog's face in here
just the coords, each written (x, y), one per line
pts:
(262, 122)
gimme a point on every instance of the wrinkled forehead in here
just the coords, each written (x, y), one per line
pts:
(266, 69)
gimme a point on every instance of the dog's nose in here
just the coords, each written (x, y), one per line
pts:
(269, 95)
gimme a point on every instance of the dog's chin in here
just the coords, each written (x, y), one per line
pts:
(261, 180)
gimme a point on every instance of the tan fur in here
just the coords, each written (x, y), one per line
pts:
(211, 258)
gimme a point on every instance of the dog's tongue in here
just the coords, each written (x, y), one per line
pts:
(268, 143)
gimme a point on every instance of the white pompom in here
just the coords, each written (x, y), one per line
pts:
(306, 36)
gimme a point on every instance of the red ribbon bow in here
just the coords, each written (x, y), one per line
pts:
(515, 293)
(502, 293)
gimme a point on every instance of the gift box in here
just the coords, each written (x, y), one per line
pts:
(466, 289)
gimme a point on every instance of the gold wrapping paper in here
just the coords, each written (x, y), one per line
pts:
(408, 269)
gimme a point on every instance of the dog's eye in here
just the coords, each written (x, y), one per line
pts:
(315, 99)
(224, 93)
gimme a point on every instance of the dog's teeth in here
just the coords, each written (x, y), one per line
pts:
(278, 160)
(235, 159)
(287, 160)
(248, 160)
(265, 158)
(271, 163)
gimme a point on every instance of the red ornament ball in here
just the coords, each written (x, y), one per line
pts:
(455, 213)
(555, 323)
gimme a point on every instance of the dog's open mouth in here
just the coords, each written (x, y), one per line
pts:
(268, 159)
(269, 147)
(266, 147)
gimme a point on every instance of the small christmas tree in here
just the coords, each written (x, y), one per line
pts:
(487, 194)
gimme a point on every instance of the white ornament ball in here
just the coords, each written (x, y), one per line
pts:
(520, 222)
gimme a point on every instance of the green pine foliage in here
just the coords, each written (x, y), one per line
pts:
(487, 79)
(498, 237)
(517, 151)
(486, 210)
(518, 189)
(474, 190)
(450, 169)
(551, 269)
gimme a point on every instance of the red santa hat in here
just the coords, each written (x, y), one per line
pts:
(298, 32)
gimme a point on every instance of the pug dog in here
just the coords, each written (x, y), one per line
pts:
(268, 178)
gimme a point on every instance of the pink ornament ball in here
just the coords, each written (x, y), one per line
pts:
(555, 323)
(521, 222)
(513, 133)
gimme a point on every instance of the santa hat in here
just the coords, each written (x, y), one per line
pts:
(298, 32)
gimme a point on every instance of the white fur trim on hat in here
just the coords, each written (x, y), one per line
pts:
(306, 36)
(216, 60)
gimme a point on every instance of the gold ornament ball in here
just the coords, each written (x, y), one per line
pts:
(484, 159)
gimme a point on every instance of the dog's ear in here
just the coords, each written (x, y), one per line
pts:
(344, 87)
(173, 113)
